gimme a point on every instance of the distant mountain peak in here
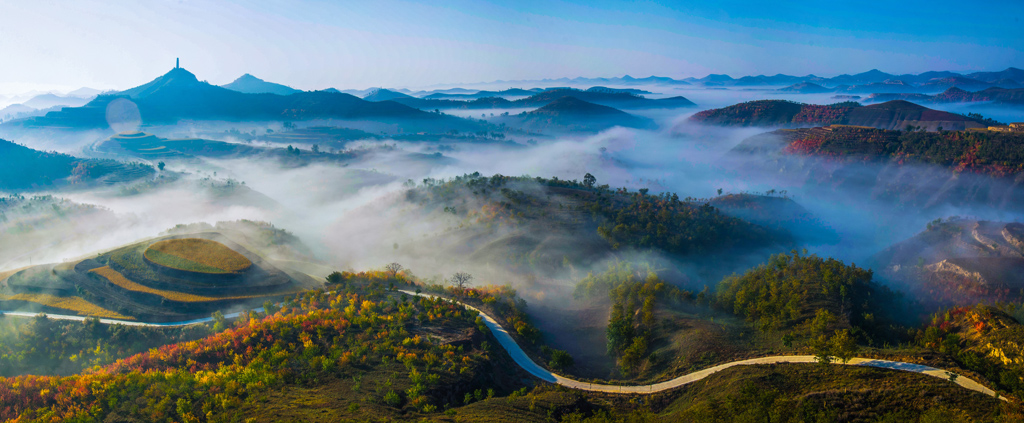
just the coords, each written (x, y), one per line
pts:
(250, 84)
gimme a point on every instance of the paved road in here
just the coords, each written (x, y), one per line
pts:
(121, 322)
(524, 361)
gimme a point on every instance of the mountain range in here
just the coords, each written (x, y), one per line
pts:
(178, 95)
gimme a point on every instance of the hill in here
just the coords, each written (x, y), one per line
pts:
(22, 168)
(169, 278)
(252, 85)
(896, 114)
(984, 152)
(179, 95)
(997, 95)
(572, 114)
(46, 101)
(958, 262)
(806, 88)
(1010, 73)
(534, 226)
(381, 94)
(511, 92)
(983, 339)
(777, 213)
(795, 291)
(616, 99)
(620, 99)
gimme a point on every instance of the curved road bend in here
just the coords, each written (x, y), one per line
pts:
(530, 366)
(524, 361)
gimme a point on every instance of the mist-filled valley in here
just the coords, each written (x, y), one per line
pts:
(547, 239)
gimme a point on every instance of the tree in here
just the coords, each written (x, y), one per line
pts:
(316, 149)
(334, 277)
(589, 180)
(393, 268)
(843, 345)
(461, 280)
(719, 191)
(161, 166)
(220, 323)
(822, 350)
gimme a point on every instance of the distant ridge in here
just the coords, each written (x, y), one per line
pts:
(382, 94)
(895, 114)
(252, 85)
(1013, 97)
(571, 113)
(178, 95)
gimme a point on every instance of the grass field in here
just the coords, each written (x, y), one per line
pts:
(197, 255)
(118, 279)
(75, 304)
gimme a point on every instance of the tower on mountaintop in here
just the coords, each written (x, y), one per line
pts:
(177, 62)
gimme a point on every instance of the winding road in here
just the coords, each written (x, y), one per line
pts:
(524, 361)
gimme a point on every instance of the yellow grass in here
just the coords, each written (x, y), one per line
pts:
(202, 251)
(118, 279)
(75, 304)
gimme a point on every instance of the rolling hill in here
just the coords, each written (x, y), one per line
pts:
(22, 168)
(896, 114)
(252, 85)
(169, 278)
(997, 95)
(573, 114)
(620, 99)
(382, 94)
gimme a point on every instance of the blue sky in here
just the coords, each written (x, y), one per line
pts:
(313, 44)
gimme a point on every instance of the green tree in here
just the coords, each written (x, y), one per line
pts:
(589, 180)
(843, 346)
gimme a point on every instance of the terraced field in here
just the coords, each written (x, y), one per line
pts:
(74, 304)
(196, 255)
(118, 279)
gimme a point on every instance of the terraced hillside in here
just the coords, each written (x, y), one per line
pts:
(175, 277)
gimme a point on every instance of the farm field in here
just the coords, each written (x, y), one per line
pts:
(76, 305)
(197, 255)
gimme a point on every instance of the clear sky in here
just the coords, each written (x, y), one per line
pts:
(312, 44)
